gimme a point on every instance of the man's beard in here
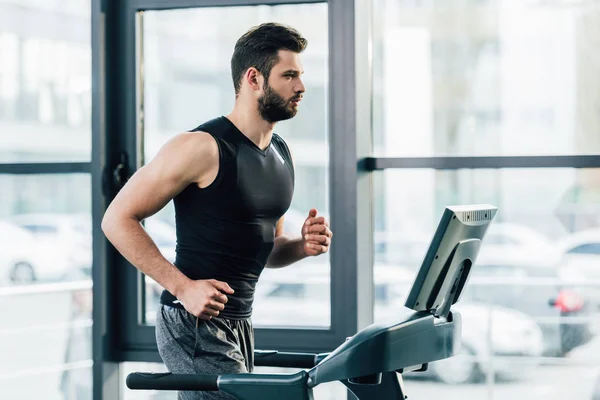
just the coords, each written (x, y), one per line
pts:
(273, 108)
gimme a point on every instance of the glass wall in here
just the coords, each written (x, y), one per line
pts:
(494, 78)
(450, 78)
(45, 81)
(45, 218)
(187, 81)
(45, 287)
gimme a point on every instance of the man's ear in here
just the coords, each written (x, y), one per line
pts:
(254, 78)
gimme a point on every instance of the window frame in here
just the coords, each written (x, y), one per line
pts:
(119, 336)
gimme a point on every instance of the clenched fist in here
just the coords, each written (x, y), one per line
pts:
(316, 234)
(205, 298)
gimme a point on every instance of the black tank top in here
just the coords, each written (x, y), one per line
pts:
(226, 231)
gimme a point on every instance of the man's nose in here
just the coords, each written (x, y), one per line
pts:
(300, 87)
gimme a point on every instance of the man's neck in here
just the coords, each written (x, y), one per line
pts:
(252, 125)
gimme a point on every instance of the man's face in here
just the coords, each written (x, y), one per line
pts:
(283, 91)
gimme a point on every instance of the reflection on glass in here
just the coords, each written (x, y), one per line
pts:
(45, 106)
(531, 301)
(486, 78)
(187, 81)
(45, 287)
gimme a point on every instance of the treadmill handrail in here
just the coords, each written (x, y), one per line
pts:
(170, 381)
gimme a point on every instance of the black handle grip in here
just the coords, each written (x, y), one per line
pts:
(169, 381)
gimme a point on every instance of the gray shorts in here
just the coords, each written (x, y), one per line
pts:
(190, 345)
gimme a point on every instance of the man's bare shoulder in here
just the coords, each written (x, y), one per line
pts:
(192, 147)
(190, 154)
(198, 141)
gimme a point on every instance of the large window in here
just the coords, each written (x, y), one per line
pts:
(495, 78)
(45, 82)
(486, 78)
(45, 209)
(45, 287)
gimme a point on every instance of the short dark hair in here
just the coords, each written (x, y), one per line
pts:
(259, 46)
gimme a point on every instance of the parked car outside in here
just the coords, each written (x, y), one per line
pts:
(581, 262)
(25, 259)
(67, 234)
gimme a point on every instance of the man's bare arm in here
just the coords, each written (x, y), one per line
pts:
(286, 250)
(314, 239)
(188, 158)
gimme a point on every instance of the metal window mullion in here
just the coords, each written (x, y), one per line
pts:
(295, 339)
(363, 97)
(129, 283)
(105, 372)
(343, 184)
(45, 168)
(497, 162)
(178, 4)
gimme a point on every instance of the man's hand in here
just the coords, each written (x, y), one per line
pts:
(204, 298)
(316, 234)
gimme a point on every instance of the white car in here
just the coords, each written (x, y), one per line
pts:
(23, 259)
(581, 261)
(581, 252)
(513, 242)
(68, 234)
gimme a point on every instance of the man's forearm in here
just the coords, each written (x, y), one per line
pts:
(133, 242)
(286, 251)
